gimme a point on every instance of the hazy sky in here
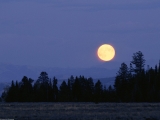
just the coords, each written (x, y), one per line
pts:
(67, 33)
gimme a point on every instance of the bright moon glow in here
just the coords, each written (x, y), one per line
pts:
(106, 52)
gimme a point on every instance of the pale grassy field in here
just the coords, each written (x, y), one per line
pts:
(80, 111)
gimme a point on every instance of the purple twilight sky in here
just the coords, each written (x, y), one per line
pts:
(67, 33)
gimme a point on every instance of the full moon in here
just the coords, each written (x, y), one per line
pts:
(106, 52)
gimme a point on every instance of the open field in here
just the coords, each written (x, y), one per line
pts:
(80, 111)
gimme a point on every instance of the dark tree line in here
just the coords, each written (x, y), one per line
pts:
(132, 84)
(135, 84)
(78, 89)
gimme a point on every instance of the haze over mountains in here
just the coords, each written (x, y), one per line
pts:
(10, 72)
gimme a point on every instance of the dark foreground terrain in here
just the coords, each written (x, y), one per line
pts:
(80, 111)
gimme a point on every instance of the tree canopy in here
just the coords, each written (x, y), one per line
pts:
(132, 84)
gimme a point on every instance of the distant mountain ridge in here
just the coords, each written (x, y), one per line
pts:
(16, 72)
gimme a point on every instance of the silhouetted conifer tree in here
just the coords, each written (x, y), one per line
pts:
(50, 91)
(98, 90)
(122, 83)
(138, 62)
(12, 94)
(90, 89)
(25, 90)
(55, 89)
(76, 90)
(41, 87)
(64, 92)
